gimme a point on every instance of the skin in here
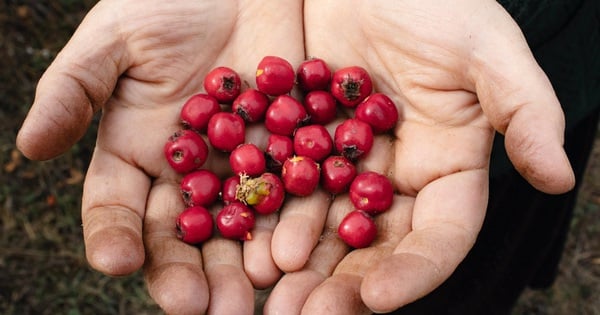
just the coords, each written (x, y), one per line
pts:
(458, 70)
(150, 58)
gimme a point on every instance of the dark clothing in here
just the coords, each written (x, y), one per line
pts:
(524, 231)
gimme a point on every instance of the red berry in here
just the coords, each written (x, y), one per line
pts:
(371, 192)
(265, 193)
(320, 106)
(200, 188)
(251, 105)
(353, 139)
(351, 85)
(226, 131)
(357, 229)
(379, 111)
(247, 159)
(235, 221)
(275, 76)
(229, 189)
(185, 151)
(284, 115)
(337, 172)
(313, 74)
(313, 141)
(300, 175)
(279, 148)
(223, 83)
(197, 110)
(194, 225)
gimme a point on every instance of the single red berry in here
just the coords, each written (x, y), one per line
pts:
(275, 76)
(353, 139)
(379, 111)
(371, 192)
(313, 141)
(200, 188)
(197, 110)
(284, 115)
(357, 229)
(185, 151)
(235, 221)
(300, 175)
(194, 225)
(247, 159)
(351, 85)
(320, 106)
(226, 131)
(279, 148)
(229, 189)
(251, 105)
(223, 83)
(264, 193)
(337, 172)
(313, 74)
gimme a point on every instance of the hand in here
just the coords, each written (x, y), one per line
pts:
(138, 62)
(458, 70)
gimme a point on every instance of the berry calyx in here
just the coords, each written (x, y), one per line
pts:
(353, 139)
(251, 105)
(223, 83)
(351, 85)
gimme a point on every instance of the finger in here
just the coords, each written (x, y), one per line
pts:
(520, 102)
(113, 203)
(173, 269)
(341, 292)
(448, 214)
(230, 289)
(258, 261)
(299, 228)
(291, 292)
(74, 86)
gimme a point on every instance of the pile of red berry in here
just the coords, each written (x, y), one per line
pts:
(300, 154)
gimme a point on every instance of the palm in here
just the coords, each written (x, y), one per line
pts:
(138, 62)
(426, 56)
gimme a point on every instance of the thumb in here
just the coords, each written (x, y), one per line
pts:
(73, 88)
(519, 101)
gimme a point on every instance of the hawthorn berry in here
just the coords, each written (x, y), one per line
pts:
(379, 111)
(185, 151)
(226, 131)
(353, 138)
(351, 85)
(235, 221)
(313, 74)
(284, 115)
(275, 76)
(264, 193)
(357, 229)
(371, 192)
(313, 141)
(200, 188)
(251, 105)
(197, 110)
(279, 148)
(223, 83)
(247, 159)
(229, 189)
(320, 106)
(194, 225)
(300, 175)
(337, 173)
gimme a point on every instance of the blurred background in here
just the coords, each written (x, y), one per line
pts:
(42, 261)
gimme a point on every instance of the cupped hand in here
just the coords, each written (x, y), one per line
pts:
(137, 62)
(458, 71)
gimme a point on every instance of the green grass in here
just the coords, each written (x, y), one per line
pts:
(42, 259)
